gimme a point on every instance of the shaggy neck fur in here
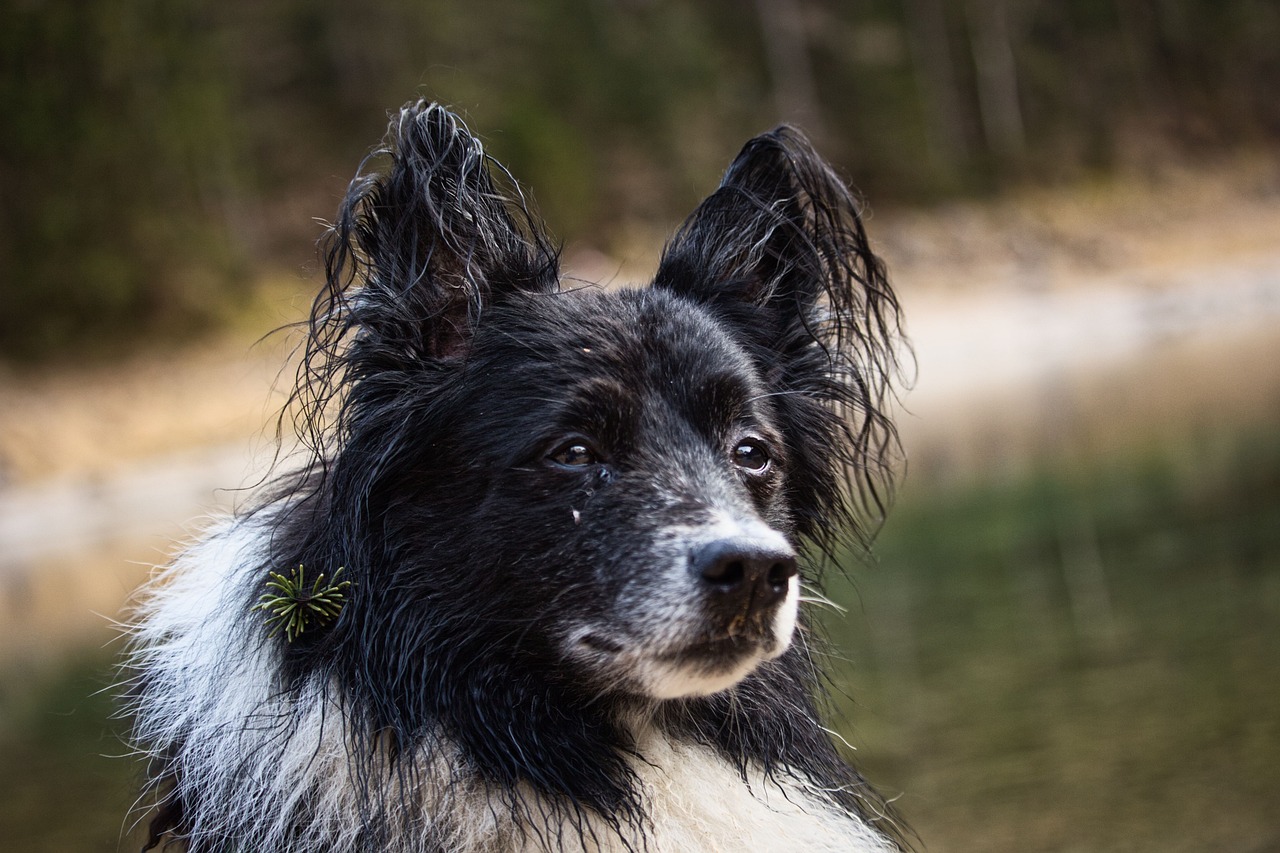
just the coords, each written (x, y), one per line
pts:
(257, 758)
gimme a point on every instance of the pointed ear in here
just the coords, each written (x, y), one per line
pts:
(782, 241)
(780, 254)
(418, 252)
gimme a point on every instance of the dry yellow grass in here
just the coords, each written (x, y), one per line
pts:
(95, 419)
(1169, 217)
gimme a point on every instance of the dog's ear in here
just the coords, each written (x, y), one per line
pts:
(781, 244)
(780, 254)
(419, 251)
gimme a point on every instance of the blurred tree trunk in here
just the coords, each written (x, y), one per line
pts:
(936, 80)
(790, 72)
(997, 78)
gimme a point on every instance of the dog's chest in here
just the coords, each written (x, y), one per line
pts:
(695, 802)
(698, 801)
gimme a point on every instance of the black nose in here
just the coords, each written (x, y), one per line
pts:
(740, 575)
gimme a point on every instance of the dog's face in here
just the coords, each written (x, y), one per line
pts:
(608, 488)
(635, 474)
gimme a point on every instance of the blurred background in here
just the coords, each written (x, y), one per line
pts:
(1068, 638)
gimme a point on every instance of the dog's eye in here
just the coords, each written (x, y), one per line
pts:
(575, 455)
(751, 456)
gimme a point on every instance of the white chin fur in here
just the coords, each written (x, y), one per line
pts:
(663, 680)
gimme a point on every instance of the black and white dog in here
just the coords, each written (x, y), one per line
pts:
(575, 527)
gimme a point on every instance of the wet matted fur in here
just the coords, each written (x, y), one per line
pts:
(578, 525)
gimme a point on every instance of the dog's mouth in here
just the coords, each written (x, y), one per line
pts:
(720, 647)
(705, 665)
(723, 649)
(601, 643)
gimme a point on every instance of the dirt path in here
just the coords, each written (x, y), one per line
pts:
(1070, 312)
(1006, 375)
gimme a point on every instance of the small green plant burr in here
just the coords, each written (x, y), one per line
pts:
(294, 606)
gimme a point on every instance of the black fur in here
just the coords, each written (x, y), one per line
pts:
(445, 365)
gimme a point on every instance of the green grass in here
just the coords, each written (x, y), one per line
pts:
(1087, 659)
(64, 783)
(1084, 659)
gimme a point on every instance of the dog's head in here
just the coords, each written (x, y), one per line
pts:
(608, 491)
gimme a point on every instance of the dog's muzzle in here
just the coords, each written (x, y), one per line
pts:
(727, 603)
(745, 595)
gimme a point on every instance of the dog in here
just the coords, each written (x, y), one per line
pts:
(538, 585)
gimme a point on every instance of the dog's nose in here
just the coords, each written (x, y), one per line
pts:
(739, 575)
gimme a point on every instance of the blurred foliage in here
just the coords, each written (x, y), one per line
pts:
(1084, 659)
(66, 782)
(153, 153)
(115, 171)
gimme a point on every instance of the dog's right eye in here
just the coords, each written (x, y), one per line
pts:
(751, 456)
(574, 455)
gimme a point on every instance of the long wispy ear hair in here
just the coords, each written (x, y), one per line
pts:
(780, 252)
(415, 256)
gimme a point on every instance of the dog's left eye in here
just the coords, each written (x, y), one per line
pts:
(751, 456)
(575, 455)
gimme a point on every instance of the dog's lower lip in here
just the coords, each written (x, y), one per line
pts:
(717, 647)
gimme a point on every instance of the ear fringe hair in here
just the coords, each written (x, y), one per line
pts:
(415, 253)
(860, 333)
